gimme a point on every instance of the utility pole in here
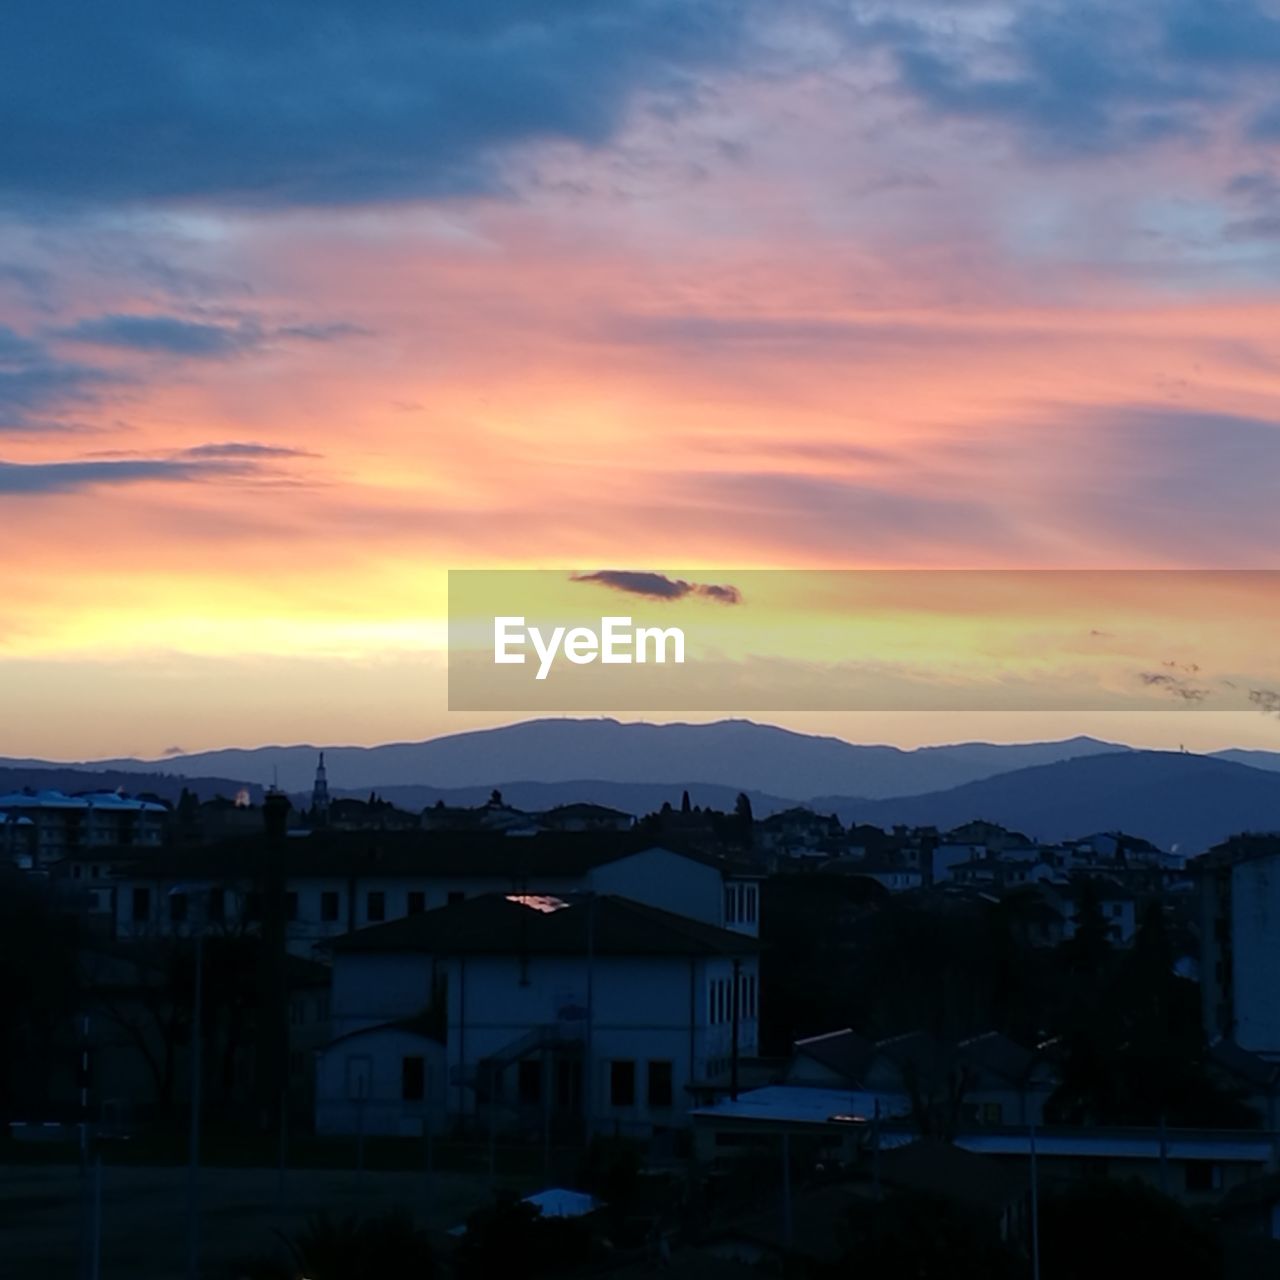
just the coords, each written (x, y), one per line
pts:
(733, 1053)
(1035, 1205)
(588, 1064)
(193, 1141)
(786, 1189)
(272, 1059)
(196, 896)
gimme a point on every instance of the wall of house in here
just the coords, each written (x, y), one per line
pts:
(371, 989)
(660, 878)
(360, 1084)
(643, 1010)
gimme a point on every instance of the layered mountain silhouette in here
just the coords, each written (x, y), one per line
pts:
(1184, 803)
(1050, 790)
(730, 753)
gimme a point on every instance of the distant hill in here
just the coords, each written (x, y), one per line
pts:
(637, 798)
(1269, 760)
(730, 753)
(1182, 802)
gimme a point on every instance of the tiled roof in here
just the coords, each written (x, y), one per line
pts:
(498, 924)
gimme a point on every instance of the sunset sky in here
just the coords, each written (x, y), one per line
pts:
(302, 305)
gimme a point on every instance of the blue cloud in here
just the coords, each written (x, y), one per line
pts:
(322, 102)
(29, 478)
(168, 335)
(35, 386)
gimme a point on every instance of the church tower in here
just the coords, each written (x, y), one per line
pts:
(320, 796)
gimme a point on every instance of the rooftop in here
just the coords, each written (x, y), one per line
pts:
(503, 924)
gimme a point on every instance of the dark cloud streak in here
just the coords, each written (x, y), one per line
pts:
(657, 586)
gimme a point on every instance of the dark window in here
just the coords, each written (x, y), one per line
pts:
(329, 906)
(377, 905)
(417, 902)
(291, 906)
(1201, 1175)
(217, 904)
(253, 905)
(530, 1081)
(177, 907)
(141, 904)
(75, 871)
(456, 895)
(413, 1079)
(660, 1090)
(622, 1083)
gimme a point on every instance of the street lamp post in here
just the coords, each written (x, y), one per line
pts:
(197, 1057)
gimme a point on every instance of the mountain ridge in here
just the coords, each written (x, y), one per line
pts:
(732, 753)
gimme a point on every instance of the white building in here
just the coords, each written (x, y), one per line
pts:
(535, 1010)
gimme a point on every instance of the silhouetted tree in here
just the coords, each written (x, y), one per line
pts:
(922, 1237)
(1110, 1230)
(512, 1238)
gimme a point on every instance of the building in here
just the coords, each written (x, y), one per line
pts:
(1239, 885)
(983, 1080)
(338, 882)
(533, 1011)
(585, 817)
(1194, 1166)
(17, 840)
(64, 825)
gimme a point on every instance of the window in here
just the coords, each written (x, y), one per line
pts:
(456, 895)
(413, 1078)
(75, 871)
(291, 906)
(217, 904)
(329, 906)
(253, 905)
(1202, 1175)
(529, 1081)
(177, 908)
(731, 904)
(992, 1113)
(751, 894)
(141, 905)
(622, 1083)
(660, 1089)
(417, 902)
(376, 905)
